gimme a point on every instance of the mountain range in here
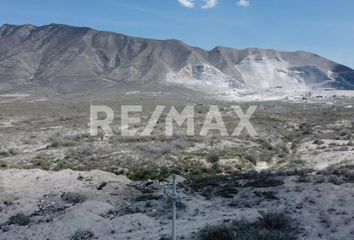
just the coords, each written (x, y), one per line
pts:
(66, 59)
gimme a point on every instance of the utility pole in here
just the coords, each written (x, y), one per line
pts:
(174, 197)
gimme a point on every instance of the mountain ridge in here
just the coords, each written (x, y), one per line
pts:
(69, 59)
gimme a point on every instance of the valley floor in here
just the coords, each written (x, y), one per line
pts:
(58, 182)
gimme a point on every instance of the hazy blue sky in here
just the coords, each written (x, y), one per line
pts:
(325, 27)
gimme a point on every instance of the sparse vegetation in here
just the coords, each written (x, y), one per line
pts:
(65, 164)
(42, 161)
(222, 170)
(82, 235)
(149, 173)
(271, 226)
(220, 232)
(20, 219)
(264, 182)
(213, 157)
(56, 142)
(3, 164)
(7, 153)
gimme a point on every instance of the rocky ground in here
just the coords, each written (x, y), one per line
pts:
(36, 204)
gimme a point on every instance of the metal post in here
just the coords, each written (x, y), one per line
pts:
(174, 198)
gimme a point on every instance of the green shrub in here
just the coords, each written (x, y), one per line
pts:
(227, 192)
(213, 157)
(3, 164)
(42, 161)
(289, 137)
(82, 235)
(150, 173)
(219, 232)
(57, 142)
(20, 219)
(264, 182)
(64, 164)
(252, 157)
(7, 153)
(4, 154)
(271, 226)
(42, 164)
(318, 142)
(275, 220)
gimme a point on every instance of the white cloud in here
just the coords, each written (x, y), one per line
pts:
(244, 3)
(187, 3)
(210, 4)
